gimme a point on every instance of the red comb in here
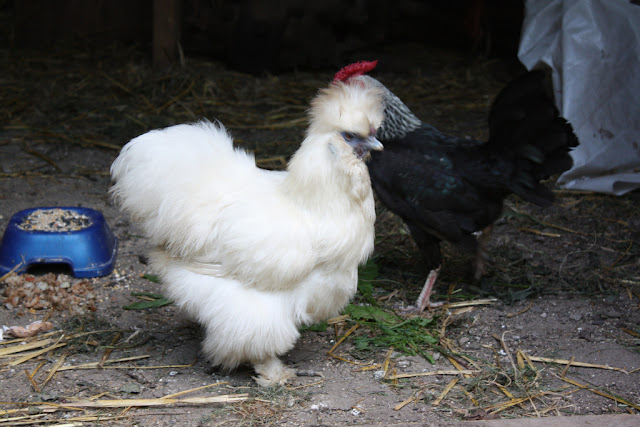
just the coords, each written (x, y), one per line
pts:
(354, 70)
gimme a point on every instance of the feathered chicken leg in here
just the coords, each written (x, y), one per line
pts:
(424, 300)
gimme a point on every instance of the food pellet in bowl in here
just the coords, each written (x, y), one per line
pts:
(54, 220)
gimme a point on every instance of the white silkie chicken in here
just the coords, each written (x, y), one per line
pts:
(249, 253)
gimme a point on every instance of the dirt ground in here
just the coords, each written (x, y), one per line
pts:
(564, 281)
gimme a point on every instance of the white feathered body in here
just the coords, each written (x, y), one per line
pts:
(249, 253)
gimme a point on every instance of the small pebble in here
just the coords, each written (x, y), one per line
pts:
(130, 388)
(575, 316)
(612, 314)
(378, 375)
(403, 363)
(543, 315)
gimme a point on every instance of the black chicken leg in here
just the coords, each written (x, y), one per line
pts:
(430, 249)
(424, 300)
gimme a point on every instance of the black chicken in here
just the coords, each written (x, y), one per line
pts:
(447, 188)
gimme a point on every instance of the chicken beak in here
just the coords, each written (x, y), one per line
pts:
(366, 145)
(362, 146)
(372, 143)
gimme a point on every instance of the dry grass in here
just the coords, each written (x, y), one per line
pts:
(41, 358)
(485, 389)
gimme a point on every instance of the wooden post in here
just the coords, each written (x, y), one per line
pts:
(166, 31)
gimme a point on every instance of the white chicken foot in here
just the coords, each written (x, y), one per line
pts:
(424, 300)
(271, 372)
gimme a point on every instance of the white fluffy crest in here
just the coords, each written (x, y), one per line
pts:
(356, 107)
(253, 254)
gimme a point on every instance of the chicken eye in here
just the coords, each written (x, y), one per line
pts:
(348, 136)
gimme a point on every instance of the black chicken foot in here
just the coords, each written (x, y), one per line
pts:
(424, 300)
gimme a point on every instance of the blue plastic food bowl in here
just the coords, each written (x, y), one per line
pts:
(89, 250)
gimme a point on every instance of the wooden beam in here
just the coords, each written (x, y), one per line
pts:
(166, 31)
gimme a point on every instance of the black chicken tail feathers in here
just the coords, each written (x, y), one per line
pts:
(556, 141)
(526, 126)
(524, 113)
(527, 90)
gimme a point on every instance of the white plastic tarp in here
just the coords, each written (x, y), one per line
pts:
(593, 48)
